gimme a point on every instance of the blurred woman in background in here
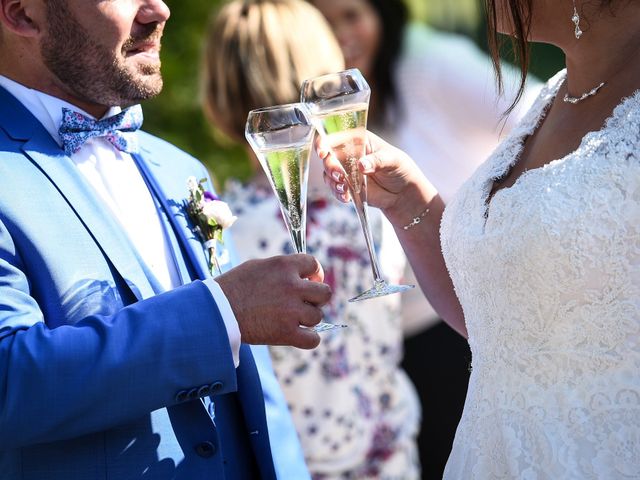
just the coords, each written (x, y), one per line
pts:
(355, 410)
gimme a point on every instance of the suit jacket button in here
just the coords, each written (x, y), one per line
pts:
(193, 394)
(206, 449)
(204, 391)
(182, 396)
(216, 387)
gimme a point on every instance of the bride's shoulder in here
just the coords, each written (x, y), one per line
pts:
(628, 113)
(549, 90)
(622, 129)
(554, 83)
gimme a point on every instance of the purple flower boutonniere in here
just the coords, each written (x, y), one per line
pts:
(210, 216)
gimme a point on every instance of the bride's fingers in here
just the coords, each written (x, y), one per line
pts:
(383, 158)
(375, 161)
(332, 167)
(378, 155)
(339, 189)
(325, 153)
(374, 143)
(322, 148)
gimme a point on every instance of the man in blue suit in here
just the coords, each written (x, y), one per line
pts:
(120, 358)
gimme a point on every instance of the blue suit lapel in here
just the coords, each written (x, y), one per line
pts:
(185, 270)
(151, 169)
(63, 174)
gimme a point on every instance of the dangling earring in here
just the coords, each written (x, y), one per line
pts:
(576, 21)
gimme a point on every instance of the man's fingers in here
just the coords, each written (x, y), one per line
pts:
(283, 305)
(304, 338)
(317, 294)
(309, 267)
(310, 315)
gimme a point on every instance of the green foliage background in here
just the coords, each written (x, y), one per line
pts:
(176, 116)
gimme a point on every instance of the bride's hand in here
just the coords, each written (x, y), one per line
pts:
(390, 172)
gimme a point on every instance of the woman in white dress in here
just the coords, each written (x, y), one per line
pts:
(408, 66)
(537, 257)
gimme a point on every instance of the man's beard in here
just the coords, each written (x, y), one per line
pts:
(92, 72)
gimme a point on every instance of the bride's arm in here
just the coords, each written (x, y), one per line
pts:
(421, 243)
(400, 190)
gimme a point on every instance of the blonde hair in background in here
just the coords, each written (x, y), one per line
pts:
(257, 53)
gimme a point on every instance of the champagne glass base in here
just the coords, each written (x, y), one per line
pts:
(325, 327)
(380, 289)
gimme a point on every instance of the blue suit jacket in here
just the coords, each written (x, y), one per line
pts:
(100, 378)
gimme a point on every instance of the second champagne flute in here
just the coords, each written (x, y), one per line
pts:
(339, 103)
(281, 137)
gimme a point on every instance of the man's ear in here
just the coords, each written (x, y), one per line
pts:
(17, 16)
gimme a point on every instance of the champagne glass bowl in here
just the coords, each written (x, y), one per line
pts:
(281, 137)
(338, 104)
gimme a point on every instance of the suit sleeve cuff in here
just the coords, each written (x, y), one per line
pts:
(230, 322)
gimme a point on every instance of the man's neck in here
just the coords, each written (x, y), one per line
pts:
(52, 88)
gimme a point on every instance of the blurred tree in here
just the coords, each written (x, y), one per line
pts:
(467, 17)
(175, 114)
(448, 15)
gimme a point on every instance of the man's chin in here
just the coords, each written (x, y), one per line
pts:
(151, 89)
(148, 81)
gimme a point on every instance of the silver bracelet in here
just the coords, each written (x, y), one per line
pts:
(416, 220)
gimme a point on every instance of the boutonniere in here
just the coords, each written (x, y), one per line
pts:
(210, 216)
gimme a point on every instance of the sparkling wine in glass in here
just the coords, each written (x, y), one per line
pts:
(281, 137)
(338, 104)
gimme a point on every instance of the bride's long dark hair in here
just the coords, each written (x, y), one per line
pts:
(520, 13)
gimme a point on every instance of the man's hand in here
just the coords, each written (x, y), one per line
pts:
(273, 299)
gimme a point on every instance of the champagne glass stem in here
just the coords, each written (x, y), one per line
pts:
(359, 200)
(298, 238)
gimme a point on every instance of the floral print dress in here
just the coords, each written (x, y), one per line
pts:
(354, 408)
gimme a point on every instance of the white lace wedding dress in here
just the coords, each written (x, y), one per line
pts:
(548, 274)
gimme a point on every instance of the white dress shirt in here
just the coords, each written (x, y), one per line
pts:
(116, 179)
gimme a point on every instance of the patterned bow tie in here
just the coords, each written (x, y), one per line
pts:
(120, 130)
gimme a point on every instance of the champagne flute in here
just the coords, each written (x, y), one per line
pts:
(338, 104)
(281, 137)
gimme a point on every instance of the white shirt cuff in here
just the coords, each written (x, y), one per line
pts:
(230, 322)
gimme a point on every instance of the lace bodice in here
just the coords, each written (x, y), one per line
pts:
(548, 274)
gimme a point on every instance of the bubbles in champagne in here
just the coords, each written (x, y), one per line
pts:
(345, 132)
(288, 170)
